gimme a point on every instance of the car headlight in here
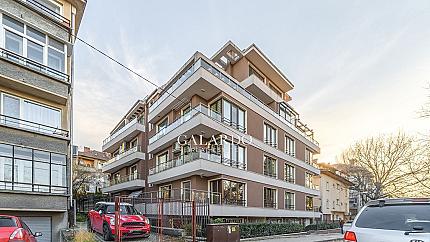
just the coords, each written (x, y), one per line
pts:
(112, 220)
(146, 220)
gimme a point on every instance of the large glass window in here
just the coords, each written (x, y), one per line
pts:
(290, 146)
(308, 156)
(308, 180)
(227, 192)
(286, 113)
(26, 169)
(289, 200)
(35, 46)
(270, 198)
(30, 111)
(309, 203)
(55, 7)
(186, 190)
(270, 135)
(162, 162)
(233, 154)
(289, 173)
(269, 166)
(229, 113)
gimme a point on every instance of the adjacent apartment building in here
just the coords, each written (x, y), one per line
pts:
(36, 67)
(87, 175)
(334, 187)
(221, 128)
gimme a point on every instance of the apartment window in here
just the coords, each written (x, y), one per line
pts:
(133, 172)
(229, 113)
(289, 173)
(162, 162)
(289, 200)
(26, 169)
(269, 166)
(252, 71)
(308, 156)
(19, 108)
(286, 112)
(308, 180)
(162, 125)
(327, 186)
(269, 197)
(53, 6)
(233, 154)
(227, 192)
(186, 190)
(290, 146)
(33, 44)
(270, 135)
(165, 191)
(185, 113)
(309, 203)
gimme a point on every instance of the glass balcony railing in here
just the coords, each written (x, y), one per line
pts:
(121, 130)
(123, 154)
(233, 84)
(192, 156)
(29, 125)
(42, 8)
(127, 178)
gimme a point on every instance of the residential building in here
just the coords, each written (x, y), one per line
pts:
(335, 190)
(87, 171)
(36, 76)
(236, 93)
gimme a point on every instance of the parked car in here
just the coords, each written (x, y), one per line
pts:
(132, 223)
(388, 220)
(14, 229)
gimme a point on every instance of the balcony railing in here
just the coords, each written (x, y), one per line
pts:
(40, 7)
(232, 83)
(121, 130)
(192, 156)
(29, 125)
(290, 206)
(36, 66)
(269, 204)
(131, 177)
(124, 154)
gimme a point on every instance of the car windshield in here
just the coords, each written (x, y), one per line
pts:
(124, 210)
(7, 222)
(402, 217)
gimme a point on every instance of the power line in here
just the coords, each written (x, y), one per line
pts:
(124, 66)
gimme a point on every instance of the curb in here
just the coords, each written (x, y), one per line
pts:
(274, 236)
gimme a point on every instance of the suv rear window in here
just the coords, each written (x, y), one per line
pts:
(395, 217)
(7, 222)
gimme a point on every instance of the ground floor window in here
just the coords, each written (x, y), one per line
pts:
(289, 200)
(166, 191)
(227, 192)
(186, 190)
(269, 197)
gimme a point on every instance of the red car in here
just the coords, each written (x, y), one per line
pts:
(14, 229)
(132, 223)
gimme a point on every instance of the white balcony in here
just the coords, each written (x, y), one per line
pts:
(124, 159)
(263, 92)
(126, 133)
(127, 183)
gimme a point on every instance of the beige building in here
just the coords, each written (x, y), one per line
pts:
(238, 93)
(36, 90)
(334, 188)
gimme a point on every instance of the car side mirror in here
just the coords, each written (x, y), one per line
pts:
(100, 212)
(37, 234)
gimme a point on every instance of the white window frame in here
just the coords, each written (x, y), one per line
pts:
(276, 197)
(294, 200)
(285, 173)
(290, 143)
(276, 165)
(182, 188)
(273, 144)
(4, 28)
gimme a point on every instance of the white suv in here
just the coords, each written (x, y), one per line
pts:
(392, 220)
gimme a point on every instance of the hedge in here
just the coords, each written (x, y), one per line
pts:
(249, 230)
(322, 226)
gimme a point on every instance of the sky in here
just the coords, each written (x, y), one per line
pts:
(360, 68)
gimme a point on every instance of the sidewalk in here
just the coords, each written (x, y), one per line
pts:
(333, 237)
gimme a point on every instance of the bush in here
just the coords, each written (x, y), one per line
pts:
(218, 221)
(188, 228)
(84, 236)
(322, 226)
(81, 217)
(266, 229)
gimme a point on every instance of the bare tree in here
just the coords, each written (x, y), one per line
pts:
(82, 176)
(387, 166)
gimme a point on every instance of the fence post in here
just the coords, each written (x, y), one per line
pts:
(193, 217)
(117, 213)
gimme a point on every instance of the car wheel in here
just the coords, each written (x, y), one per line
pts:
(107, 233)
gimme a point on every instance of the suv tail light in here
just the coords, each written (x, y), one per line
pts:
(350, 236)
(17, 235)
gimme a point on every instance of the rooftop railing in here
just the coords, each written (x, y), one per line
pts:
(124, 154)
(192, 156)
(36, 66)
(233, 84)
(121, 130)
(40, 7)
(29, 125)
